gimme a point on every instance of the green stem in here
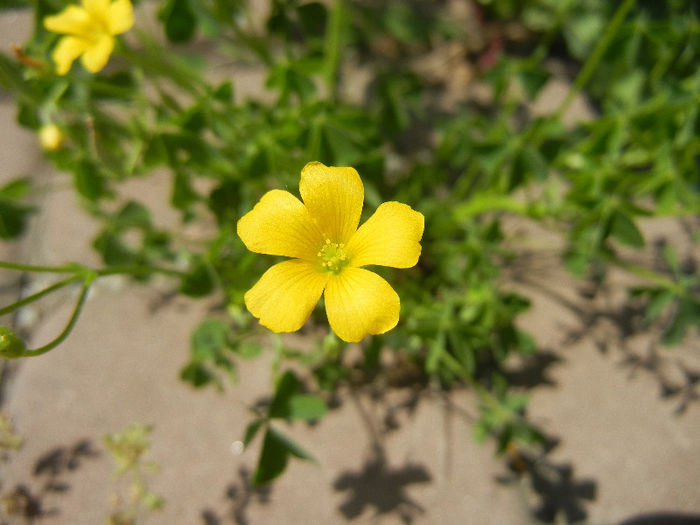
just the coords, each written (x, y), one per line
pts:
(151, 58)
(594, 59)
(71, 323)
(77, 268)
(67, 268)
(333, 44)
(138, 270)
(38, 295)
(650, 275)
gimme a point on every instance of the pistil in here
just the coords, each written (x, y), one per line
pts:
(332, 256)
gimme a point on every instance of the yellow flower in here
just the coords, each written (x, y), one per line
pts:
(328, 251)
(89, 31)
(50, 137)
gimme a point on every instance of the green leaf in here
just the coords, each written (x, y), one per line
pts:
(481, 431)
(670, 256)
(404, 23)
(273, 459)
(251, 431)
(313, 19)
(13, 213)
(583, 31)
(133, 215)
(183, 194)
(533, 79)
(197, 374)
(659, 301)
(274, 456)
(122, 80)
(432, 362)
(224, 92)
(199, 281)
(294, 449)
(209, 339)
(17, 188)
(180, 21)
(224, 200)
(688, 314)
(625, 231)
(248, 350)
(287, 386)
(289, 79)
(113, 251)
(306, 407)
(13, 217)
(88, 181)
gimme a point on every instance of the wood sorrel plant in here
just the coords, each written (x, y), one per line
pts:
(414, 134)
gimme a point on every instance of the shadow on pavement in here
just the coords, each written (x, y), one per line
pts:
(381, 488)
(663, 518)
(51, 470)
(558, 492)
(240, 494)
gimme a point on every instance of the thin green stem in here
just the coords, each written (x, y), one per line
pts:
(595, 57)
(40, 294)
(138, 270)
(77, 268)
(650, 275)
(66, 268)
(151, 58)
(71, 323)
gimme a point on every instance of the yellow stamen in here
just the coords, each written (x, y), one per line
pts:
(332, 257)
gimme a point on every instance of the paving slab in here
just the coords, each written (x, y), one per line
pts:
(623, 449)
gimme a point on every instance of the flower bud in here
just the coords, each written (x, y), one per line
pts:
(11, 346)
(50, 137)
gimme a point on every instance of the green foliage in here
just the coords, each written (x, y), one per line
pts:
(14, 211)
(469, 164)
(288, 404)
(274, 456)
(128, 449)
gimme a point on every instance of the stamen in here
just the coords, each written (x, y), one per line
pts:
(332, 257)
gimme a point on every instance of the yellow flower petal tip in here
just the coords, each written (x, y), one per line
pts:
(90, 30)
(327, 252)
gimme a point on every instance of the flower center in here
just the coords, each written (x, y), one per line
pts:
(332, 257)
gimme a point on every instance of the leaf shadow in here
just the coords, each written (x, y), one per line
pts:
(240, 495)
(558, 492)
(663, 518)
(50, 470)
(381, 488)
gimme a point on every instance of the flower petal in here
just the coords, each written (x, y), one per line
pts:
(97, 55)
(359, 302)
(97, 8)
(390, 237)
(280, 225)
(121, 17)
(68, 49)
(286, 294)
(73, 20)
(334, 198)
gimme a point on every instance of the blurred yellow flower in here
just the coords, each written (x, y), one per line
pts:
(50, 137)
(89, 31)
(328, 250)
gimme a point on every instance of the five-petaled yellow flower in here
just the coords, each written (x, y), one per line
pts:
(328, 251)
(89, 31)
